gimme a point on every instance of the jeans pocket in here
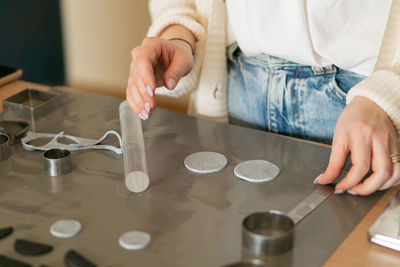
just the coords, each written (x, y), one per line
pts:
(337, 91)
(344, 80)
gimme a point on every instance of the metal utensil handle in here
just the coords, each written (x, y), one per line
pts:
(310, 203)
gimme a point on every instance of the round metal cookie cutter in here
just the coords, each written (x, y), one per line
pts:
(268, 233)
(5, 152)
(57, 161)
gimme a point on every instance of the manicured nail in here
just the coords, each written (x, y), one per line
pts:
(144, 114)
(316, 179)
(352, 192)
(141, 116)
(171, 83)
(147, 107)
(339, 191)
(149, 90)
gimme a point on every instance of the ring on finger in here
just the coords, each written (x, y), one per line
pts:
(395, 157)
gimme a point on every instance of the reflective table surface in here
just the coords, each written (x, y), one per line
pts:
(194, 219)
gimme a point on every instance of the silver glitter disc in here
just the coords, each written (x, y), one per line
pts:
(205, 162)
(134, 240)
(65, 228)
(256, 171)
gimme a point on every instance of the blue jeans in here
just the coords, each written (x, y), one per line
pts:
(280, 96)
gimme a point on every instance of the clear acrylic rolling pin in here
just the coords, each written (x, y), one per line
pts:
(135, 164)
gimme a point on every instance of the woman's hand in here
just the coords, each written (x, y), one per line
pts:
(364, 130)
(156, 62)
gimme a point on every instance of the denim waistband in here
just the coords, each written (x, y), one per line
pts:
(276, 63)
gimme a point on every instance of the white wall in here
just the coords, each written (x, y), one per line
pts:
(98, 37)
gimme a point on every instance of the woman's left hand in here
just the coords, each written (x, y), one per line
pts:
(367, 133)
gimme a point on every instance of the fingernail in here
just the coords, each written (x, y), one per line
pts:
(339, 191)
(171, 83)
(144, 115)
(147, 107)
(352, 192)
(149, 90)
(140, 116)
(316, 179)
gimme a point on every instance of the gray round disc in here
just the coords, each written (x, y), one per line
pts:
(205, 162)
(134, 240)
(65, 228)
(256, 171)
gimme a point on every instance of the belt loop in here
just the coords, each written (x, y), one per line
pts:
(330, 69)
(318, 70)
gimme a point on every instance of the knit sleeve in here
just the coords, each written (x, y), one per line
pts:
(183, 12)
(383, 85)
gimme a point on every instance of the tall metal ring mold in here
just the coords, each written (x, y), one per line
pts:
(57, 161)
(5, 152)
(267, 233)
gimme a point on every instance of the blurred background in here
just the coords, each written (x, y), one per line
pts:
(81, 44)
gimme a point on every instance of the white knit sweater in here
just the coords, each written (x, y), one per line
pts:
(208, 79)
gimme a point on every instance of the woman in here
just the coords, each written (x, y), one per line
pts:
(293, 59)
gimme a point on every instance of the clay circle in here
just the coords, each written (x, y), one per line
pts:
(65, 228)
(205, 162)
(134, 240)
(256, 171)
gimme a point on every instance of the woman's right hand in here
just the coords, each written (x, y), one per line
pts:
(155, 62)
